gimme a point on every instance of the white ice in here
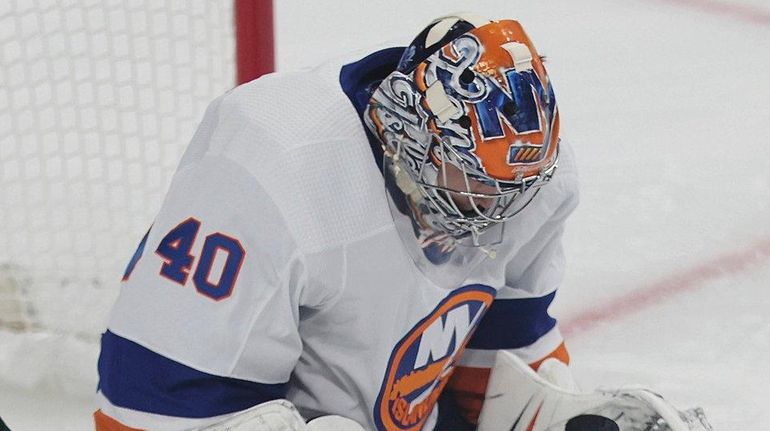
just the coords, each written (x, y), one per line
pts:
(667, 106)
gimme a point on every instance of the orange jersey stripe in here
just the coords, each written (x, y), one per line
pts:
(560, 353)
(106, 423)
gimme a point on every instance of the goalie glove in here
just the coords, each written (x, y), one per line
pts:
(518, 399)
(281, 415)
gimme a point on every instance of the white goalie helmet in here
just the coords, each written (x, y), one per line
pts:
(468, 123)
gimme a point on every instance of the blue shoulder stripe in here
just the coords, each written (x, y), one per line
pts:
(514, 323)
(134, 377)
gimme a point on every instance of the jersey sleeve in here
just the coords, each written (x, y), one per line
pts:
(518, 320)
(206, 321)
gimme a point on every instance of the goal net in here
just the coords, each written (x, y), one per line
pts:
(98, 99)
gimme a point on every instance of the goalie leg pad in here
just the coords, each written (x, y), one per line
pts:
(281, 415)
(518, 399)
(277, 415)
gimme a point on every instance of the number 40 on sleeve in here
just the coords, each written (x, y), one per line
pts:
(176, 251)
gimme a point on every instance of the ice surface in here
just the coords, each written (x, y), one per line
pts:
(706, 348)
(666, 104)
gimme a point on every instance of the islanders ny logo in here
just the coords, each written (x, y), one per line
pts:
(423, 360)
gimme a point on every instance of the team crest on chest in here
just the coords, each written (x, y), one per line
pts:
(422, 362)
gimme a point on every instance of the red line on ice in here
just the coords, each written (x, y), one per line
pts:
(676, 284)
(741, 12)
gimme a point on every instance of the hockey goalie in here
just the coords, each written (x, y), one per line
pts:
(370, 244)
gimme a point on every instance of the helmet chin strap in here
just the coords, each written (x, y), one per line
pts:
(490, 252)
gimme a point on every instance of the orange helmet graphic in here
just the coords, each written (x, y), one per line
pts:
(469, 123)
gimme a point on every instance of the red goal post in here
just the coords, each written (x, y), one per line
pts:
(255, 40)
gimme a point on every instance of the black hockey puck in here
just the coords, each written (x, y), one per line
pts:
(591, 423)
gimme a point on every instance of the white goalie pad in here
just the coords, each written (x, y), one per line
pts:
(278, 415)
(281, 415)
(518, 399)
(333, 423)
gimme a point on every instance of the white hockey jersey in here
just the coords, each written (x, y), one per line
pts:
(274, 269)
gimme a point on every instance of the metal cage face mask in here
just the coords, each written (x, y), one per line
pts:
(467, 202)
(471, 132)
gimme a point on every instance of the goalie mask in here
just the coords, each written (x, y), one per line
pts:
(468, 123)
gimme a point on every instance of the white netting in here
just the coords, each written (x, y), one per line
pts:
(98, 99)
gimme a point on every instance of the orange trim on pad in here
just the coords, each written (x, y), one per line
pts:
(106, 423)
(560, 353)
